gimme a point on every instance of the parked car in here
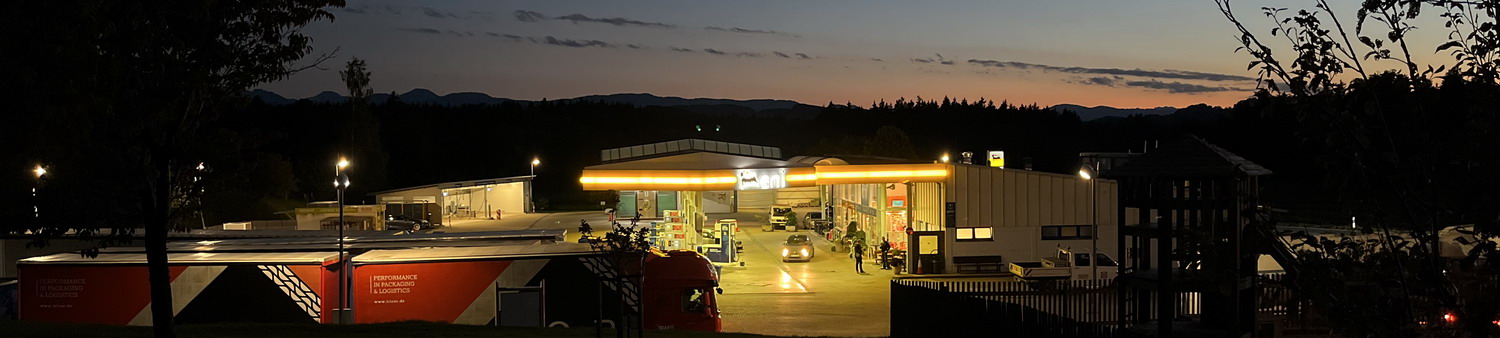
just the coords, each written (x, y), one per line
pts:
(797, 248)
(817, 222)
(398, 222)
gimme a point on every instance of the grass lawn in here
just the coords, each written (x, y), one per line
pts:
(11, 328)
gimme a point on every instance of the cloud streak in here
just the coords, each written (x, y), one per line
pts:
(576, 18)
(1166, 73)
(573, 43)
(938, 59)
(528, 16)
(1179, 87)
(750, 31)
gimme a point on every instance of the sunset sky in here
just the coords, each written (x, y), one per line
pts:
(1139, 53)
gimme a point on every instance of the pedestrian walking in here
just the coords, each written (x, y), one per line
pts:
(859, 253)
(885, 254)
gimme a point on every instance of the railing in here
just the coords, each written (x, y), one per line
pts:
(1020, 309)
(1087, 308)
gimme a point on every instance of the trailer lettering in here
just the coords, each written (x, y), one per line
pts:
(392, 284)
(60, 287)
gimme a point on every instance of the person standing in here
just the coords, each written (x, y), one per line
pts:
(885, 254)
(859, 253)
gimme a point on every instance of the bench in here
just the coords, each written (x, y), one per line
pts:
(979, 264)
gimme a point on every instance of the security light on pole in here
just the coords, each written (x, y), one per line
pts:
(1087, 173)
(531, 201)
(341, 182)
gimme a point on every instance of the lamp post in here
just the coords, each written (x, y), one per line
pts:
(341, 182)
(1087, 173)
(530, 199)
(36, 202)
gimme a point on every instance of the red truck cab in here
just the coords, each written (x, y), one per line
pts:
(680, 288)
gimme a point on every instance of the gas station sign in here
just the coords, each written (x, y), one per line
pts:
(760, 179)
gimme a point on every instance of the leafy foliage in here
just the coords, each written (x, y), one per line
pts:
(1406, 150)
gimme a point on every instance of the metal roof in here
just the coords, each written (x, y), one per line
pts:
(686, 146)
(697, 161)
(461, 184)
(472, 253)
(191, 258)
(1188, 157)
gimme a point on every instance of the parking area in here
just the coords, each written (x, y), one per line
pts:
(822, 297)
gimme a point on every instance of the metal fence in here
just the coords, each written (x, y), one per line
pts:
(1086, 308)
(1022, 309)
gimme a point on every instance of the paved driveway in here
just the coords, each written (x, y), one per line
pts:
(823, 297)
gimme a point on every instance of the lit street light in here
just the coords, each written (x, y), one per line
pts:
(36, 209)
(341, 182)
(945, 158)
(1087, 173)
(530, 200)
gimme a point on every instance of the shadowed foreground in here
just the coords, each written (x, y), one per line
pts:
(13, 328)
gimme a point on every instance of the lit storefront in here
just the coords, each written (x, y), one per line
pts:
(462, 200)
(934, 211)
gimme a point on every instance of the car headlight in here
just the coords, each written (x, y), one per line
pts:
(804, 252)
(785, 252)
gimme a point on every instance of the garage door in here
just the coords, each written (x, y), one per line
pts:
(756, 199)
(796, 196)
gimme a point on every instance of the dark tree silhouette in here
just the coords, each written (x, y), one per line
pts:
(129, 91)
(1404, 149)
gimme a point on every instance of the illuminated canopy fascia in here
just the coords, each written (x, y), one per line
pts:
(761, 178)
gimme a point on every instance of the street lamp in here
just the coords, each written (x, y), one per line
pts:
(36, 209)
(530, 199)
(341, 182)
(945, 158)
(1087, 173)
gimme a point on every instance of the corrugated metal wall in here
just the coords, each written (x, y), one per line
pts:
(1017, 203)
(927, 204)
(1020, 198)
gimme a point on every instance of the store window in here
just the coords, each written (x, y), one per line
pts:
(974, 234)
(1067, 232)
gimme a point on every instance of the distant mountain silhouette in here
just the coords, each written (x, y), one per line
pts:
(708, 106)
(1098, 112)
(270, 98)
(646, 100)
(328, 97)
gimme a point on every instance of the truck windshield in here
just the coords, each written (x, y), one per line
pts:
(1105, 260)
(694, 300)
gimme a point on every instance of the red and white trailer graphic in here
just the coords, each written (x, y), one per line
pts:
(554, 285)
(206, 287)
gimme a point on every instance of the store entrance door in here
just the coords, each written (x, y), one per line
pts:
(926, 254)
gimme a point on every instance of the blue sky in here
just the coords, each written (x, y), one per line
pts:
(1139, 53)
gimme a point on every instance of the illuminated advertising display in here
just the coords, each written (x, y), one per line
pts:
(997, 159)
(760, 179)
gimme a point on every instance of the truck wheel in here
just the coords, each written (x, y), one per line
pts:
(559, 323)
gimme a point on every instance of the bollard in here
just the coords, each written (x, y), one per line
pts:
(499, 214)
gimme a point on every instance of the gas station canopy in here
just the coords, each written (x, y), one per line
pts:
(703, 170)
